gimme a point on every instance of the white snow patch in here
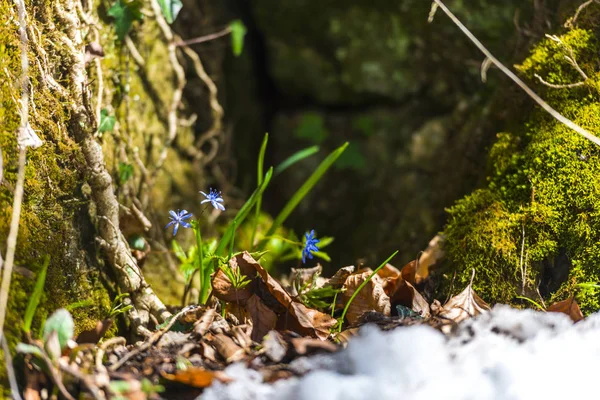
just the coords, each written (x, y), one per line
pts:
(506, 354)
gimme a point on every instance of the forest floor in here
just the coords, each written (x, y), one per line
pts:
(378, 336)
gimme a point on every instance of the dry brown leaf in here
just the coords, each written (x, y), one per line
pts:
(464, 305)
(240, 333)
(432, 254)
(203, 324)
(338, 279)
(569, 307)
(263, 318)
(409, 272)
(388, 271)
(371, 297)
(208, 352)
(196, 377)
(227, 348)
(406, 295)
(314, 323)
(224, 290)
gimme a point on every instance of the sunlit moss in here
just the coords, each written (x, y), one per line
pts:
(540, 210)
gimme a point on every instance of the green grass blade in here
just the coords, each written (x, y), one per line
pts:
(304, 189)
(243, 213)
(294, 158)
(538, 305)
(34, 301)
(259, 180)
(362, 285)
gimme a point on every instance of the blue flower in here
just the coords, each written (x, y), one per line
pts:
(177, 218)
(214, 198)
(310, 245)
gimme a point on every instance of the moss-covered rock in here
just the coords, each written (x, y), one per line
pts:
(536, 224)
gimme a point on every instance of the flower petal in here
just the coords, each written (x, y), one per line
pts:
(170, 223)
(173, 214)
(220, 206)
(175, 230)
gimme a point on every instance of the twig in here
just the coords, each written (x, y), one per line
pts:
(150, 341)
(11, 242)
(521, 261)
(555, 86)
(205, 38)
(102, 350)
(10, 371)
(559, 117)
(87, 382)
(571, 21)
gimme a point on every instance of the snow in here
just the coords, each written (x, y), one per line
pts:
(506, 354)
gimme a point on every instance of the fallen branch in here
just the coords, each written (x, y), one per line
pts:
(559, 117)
(205, 38)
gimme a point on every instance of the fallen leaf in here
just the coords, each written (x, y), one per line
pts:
(203, 324)
(405, 294)
(388, 271)
(263, 318)
(196, 377)
(371, 297)
(224, 290)
(226, 347)
(274, 296)
(240, 333)
(338, 279)
(432, 254)
(464, 305)
(409, 272)
(569, 307)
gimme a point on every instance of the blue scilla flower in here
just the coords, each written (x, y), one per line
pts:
(310, 245)
(214, 198)
(177, 218)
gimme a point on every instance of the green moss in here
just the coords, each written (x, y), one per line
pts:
(544, 182)
(54, 213)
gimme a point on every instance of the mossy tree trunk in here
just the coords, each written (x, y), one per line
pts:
(89, 194)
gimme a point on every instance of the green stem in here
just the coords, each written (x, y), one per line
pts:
(198, 235)
(362, 285)
(259, 177)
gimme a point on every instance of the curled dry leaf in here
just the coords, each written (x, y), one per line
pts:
(339, 278)
(569, 307)
(403, 293)
(464, 305)
(372, 297)
(268, 303)
(432, 254)
(203, 324)
(388, 271)
(227, 348)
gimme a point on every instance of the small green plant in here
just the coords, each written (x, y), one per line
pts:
(117, 307)
(315, 297)
(36, 296)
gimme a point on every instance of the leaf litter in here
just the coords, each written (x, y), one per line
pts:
(267, 325)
